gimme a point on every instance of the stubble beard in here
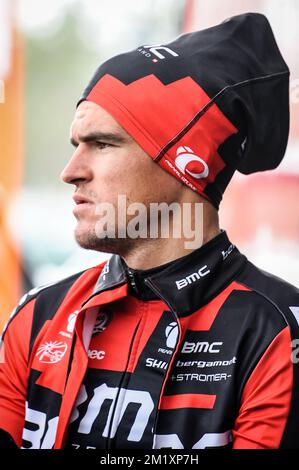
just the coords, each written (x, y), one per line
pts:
(89, 240)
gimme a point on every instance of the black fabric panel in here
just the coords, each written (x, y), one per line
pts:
(253, 324)
(47, 304)
(284, 296)
(6, 441)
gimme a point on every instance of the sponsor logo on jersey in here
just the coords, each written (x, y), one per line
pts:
(226, 253)
(191, 278)
(39, 432)
(203, 364)
(95, 354)
(165, 351)
(120, 399)
(71, 322)
(201, 347)
(200, 377)
(102, 321)
(51, 352)
(171, 333)
(151, 362)
(105, 271)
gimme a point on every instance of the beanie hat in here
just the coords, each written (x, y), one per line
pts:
(204, 105)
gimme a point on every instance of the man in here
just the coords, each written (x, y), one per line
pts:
(163, 346)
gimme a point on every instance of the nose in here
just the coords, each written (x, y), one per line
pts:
(77, 169)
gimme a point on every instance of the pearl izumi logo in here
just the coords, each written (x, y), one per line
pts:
(189, 163)
(157, 52)
(171, 333)
(72, 321)
(203, 271)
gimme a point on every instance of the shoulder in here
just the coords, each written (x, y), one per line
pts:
(274, 296)
(52, 294)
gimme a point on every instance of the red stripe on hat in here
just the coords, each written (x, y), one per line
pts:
(154, 114)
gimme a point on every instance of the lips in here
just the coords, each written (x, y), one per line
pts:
(81, 200)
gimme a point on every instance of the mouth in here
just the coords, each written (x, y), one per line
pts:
(80, 200)
(82, 204)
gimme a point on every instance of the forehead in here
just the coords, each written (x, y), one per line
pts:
(90, 117)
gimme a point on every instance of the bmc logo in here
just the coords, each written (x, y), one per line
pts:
(203, 346)
(40, 433)
(120, 397)
(189, 163)
(181, 283)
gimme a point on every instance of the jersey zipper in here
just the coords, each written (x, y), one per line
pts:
(172, 310)
(132, 280)
(122, 380)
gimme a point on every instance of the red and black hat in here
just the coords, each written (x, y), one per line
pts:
(204, 105)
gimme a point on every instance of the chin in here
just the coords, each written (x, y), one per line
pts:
(89, 240)
(86, 238)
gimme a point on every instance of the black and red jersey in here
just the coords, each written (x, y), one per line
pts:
(194, 354)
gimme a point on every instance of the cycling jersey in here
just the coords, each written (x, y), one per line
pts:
(195, 354)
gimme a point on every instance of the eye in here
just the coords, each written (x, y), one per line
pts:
(102, 145)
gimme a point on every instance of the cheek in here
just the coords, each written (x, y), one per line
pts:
(119, 174)
(113, 179)
(134, 175)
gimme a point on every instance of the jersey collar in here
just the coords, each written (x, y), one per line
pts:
(185, 284)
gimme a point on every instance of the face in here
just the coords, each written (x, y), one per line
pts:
(107, 163)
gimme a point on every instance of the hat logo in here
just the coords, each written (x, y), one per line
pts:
(189, 163)
(156, 51)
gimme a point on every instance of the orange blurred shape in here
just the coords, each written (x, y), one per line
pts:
(11, 157)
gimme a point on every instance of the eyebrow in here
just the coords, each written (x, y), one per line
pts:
(112, 137)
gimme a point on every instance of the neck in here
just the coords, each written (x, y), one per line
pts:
(150, 253)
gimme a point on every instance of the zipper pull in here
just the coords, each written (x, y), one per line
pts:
(132, 279)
